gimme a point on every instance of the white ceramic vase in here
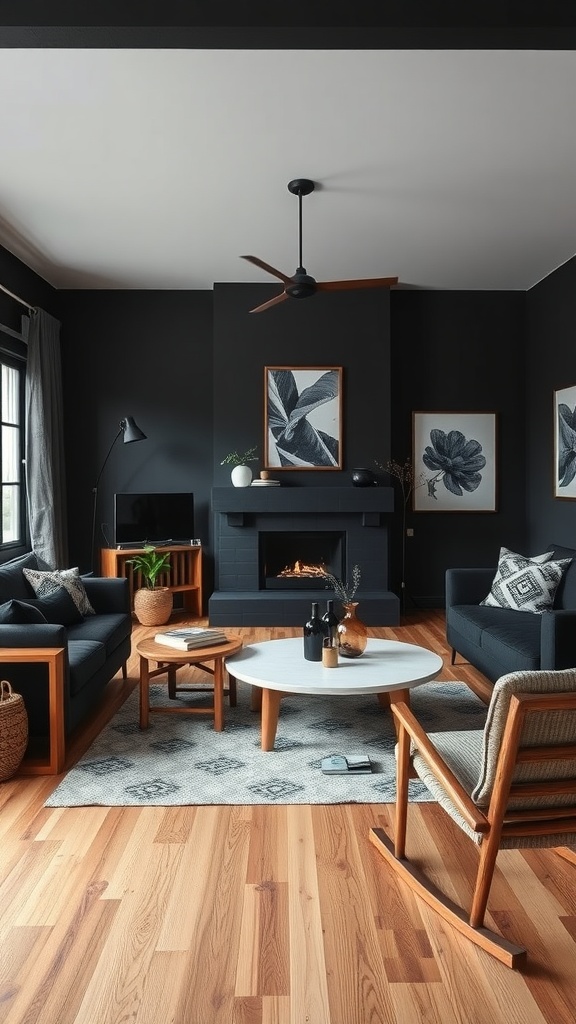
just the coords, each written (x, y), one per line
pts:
(241, 476)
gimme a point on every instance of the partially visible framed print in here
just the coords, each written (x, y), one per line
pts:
(303, 417)
(454, 457)
(565, 443)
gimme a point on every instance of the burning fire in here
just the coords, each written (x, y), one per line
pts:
(302, 569)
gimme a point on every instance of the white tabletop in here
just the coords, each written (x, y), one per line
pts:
(385, 665)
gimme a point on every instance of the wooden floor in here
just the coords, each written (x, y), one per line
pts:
(263, 915)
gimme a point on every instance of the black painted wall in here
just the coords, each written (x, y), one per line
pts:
(550, 365)
(347, 329)
(147, 354)
(189, 367)
(460, 351)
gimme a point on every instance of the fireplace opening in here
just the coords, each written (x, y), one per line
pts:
(299, 560)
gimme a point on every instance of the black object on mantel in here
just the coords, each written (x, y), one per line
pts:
(364, 478)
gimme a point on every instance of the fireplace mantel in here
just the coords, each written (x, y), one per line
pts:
(303, 499)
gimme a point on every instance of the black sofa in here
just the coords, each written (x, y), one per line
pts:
(95, 648)
(501, 640)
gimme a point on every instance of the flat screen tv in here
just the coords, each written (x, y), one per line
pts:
(153, 517)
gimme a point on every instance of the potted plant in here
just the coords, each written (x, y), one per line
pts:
(152, 603)
(241, 474)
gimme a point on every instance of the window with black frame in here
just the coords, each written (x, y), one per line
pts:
(13, 519)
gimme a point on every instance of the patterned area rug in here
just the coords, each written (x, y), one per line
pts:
(181, 760)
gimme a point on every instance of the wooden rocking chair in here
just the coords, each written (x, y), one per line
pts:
(509, 786)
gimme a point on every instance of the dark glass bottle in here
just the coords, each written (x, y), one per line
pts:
(330, 623)
(313, 635)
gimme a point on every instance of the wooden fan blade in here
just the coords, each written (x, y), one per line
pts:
(371, 282)
(267, 267)
(271, 302)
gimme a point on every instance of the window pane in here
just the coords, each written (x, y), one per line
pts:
(10, 455)
(10, 513)
(10, 394)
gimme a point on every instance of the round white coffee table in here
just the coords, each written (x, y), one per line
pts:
(387, 668)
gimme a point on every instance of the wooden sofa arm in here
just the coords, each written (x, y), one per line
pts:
(54, 658)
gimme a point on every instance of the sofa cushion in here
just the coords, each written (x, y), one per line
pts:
(12, 580)
(525, 584)
(57, 607)
(110, 629)
(45, 583)
(85, 658)
(20, 613)
(514, 641)
(469, 620)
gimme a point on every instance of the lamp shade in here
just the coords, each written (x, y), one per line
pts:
(131, 430)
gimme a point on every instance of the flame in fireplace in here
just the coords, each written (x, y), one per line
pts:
(299, 568)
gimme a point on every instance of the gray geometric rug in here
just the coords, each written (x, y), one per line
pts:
(180, 760)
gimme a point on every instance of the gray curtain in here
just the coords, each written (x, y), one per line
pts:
(44, 425)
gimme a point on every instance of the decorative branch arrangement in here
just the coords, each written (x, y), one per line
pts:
(345, 590)
(242, 459)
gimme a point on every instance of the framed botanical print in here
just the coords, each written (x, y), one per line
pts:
(303, 417)
(565, 443)
(454, 458)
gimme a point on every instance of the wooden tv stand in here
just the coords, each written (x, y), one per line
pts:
(185, 576)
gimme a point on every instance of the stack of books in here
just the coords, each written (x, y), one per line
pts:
(189, 637)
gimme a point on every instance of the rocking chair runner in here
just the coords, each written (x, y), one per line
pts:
(512, 785)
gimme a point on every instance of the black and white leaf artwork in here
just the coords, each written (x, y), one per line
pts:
(293, 438)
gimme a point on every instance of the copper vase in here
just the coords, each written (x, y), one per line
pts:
(352, 633)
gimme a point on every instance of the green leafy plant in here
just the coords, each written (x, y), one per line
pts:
(151, 563)
(235, 459)
(344, 589)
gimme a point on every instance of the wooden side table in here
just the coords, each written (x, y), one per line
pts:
(168, 659)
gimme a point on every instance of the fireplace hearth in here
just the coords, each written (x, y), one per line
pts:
(260, 532)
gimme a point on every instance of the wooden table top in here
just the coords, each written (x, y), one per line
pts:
(148, 648)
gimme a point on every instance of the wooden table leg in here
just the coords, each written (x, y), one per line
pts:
(255, 698)
(394, 697)
(172, 681)
(270, 709)
(218, 695)
(232, 692)
(144, 692)
(388, 697)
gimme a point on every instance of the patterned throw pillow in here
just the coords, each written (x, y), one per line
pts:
(45, 583)
(526, 584)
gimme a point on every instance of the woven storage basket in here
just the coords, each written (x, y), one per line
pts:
(13, 730)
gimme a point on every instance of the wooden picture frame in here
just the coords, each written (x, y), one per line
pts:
(303, 417)
(565, 443)
(454, 459)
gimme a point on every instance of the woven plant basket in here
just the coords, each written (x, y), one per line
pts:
(13, 730)
(153, 605)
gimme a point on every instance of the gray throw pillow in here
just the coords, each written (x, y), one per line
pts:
(57, 608)
(45, 583)
(526, 584)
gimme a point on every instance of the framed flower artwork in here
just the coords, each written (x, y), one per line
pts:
(565, 443)
(454, 458)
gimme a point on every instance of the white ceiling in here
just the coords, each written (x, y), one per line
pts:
(453, 169)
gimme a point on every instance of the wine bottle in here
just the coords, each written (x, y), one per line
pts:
(330, 623)
(313, 635)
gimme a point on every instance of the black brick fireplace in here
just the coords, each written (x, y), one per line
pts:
(337, 526)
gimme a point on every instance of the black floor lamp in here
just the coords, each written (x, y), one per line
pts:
(131, 432)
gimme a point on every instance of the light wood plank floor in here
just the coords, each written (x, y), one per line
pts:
(263, 915)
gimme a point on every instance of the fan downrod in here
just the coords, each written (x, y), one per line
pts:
(301, 186)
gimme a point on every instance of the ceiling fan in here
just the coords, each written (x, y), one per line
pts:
(301, 285)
